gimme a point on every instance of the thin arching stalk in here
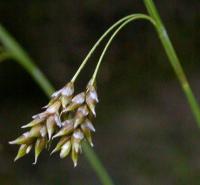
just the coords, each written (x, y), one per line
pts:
(100, 40)
(138, 17)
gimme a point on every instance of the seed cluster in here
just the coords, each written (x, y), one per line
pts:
(67, 117)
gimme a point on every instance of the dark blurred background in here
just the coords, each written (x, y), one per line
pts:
(146, 134)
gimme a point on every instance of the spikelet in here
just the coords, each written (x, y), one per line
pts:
(67, 119)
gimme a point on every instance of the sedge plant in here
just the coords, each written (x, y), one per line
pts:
(68, 117)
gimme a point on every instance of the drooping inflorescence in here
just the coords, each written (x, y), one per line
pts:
(67, 118)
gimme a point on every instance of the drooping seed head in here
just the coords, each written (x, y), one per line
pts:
(66, 116)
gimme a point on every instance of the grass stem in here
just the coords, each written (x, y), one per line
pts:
(173, 59)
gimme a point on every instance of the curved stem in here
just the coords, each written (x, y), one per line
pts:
(141, 16)
(99, 41)
(18, 53)
(173, 59)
